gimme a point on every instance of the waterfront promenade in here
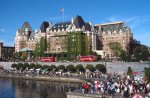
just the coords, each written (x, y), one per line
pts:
(117, 67)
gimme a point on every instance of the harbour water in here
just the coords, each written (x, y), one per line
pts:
(16, 88)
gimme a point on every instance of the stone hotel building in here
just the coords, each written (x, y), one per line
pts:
(56, 34)
(114, 32)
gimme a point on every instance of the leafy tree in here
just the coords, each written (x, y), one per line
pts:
(80, 68)
(71, 68)
(138, 51)
(26, 65)
(129, 72)
(14, 65)
(90, 67)
(147, 72)
(53, 67)
(44, 67)
(20, 65)
(37, 50)
(49, 68)
(32, 65)
(124, 56)
(101, 68)
(116, 48)
(61, 67)
(87, 45)
(41, 47)
(37, 66)
(74, 44)
(77, 44)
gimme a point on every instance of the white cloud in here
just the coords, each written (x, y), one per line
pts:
(133, 21)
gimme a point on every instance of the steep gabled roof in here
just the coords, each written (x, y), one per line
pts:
(87, 26)
(24, 26)
(60, 26)
(78, 22)
(44, 26)
(32, 35)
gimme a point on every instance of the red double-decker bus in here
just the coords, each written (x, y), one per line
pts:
(89, 58)
(48, 59)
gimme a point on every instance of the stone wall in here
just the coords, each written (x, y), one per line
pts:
(118, 67)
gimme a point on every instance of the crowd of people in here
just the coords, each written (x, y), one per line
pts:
(125, 86)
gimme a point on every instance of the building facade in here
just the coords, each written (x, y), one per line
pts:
(56, 35)
(73, 36)
(6, 52)
(114, 32)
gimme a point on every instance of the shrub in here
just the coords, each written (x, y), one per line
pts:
(71, 68)
(61, 67)
(101, 68)
(147, 72)
(44, 67)
(53, 67)
(20, 65)
(14, 65)
(32, 65)
(24, 66)
(80, 68)
(129, 72)
(90, 67)
(37, 66)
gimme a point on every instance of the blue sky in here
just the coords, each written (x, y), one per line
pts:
(135, 13)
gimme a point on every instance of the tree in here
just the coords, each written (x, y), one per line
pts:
(101, 68)
(87, 44)
(24, 66)
(32, 65)
(41, 47)
(124, 56)
(74, 44)
(53, 67)
(147, 72)
(90, 67)
(80, 68)
(61, 67)
(44, 67)
(129, 72)
(37, 50)
(138, 51)
(141, 53)
(77, 44)
(116, 48)
(20, 65)
(37, 66)
(49, 68)
(71, 68)
(14, 65)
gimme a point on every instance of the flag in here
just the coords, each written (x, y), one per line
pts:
(62, 10)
